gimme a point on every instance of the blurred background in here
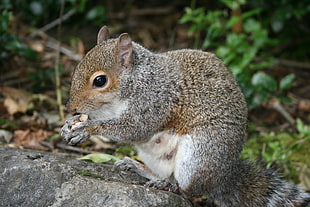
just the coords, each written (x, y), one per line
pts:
(264, 43)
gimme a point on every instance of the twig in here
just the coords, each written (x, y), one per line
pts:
(142, 12)
(287, 63)
(54, 44)
(65, 147)
(57, 63)
(58, 21)
(43, 97)
(13, 77)
(275, 103)
(293, 64)
(64, 50)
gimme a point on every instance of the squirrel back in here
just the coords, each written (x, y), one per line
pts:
(185, 114)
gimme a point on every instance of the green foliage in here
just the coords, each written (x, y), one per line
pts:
(287, 20)
(266, 87)
(121, 152)
(125, 150)
(8, 124)
(233, 4)
(99, 158)
(43, 79)
(35, 12)
(283, 149)
(239, 51)
(88, 12)
(10, 45)
(96, 15)
(303, 129)
(39, 13)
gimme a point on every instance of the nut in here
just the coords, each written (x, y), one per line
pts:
(81, 119)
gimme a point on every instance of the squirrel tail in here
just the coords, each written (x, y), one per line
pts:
(256, 186)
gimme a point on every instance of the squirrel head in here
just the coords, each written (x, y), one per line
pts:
(95, 81)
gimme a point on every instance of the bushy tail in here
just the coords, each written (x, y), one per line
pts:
(256, 186)
(286, 194)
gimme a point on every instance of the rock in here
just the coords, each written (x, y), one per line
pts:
(33, 178)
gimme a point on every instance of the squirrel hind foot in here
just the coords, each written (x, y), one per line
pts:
(164, 184)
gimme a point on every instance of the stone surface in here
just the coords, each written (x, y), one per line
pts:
(33, 178)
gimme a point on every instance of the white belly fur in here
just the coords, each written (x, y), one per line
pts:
(159, 153)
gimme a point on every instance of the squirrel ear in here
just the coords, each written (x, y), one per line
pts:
(103, 34)
(124, 50)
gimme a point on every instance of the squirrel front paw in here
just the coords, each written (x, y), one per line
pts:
(74, 131)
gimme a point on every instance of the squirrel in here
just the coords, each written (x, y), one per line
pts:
(184, 113)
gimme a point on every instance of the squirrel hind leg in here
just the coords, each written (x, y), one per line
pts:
(189, 166)
(137, 167)
(155, 182)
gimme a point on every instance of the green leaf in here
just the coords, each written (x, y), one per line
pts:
(232, 4)
(287, 82)
(250, 13)
(6, 5)
(81, 6)
(248, 56)
(260, 38)
(264, 82)
(268, 62)
(4, 21)
(99, 158)
(125, 150)
(236, 41)
(222, 51)
(96, 13)
(36, 7)
(251, 25)
(232, 21)
(258, 99)
(303, 129)
(187, 16)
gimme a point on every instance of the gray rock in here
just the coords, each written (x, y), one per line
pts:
(33, 178)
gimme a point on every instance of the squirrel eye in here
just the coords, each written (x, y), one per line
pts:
(100, 81)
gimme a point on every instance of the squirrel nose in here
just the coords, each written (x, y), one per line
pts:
(73, 110)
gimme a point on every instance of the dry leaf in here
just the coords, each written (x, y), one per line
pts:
(304, 105)
(16, 100)
(28, 138)
(37, 46)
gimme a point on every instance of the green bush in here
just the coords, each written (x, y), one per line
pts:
(10, 45)
(244, 53)
(39, 13)
(286, 150)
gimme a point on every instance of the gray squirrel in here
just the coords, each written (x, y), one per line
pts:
(184, 113)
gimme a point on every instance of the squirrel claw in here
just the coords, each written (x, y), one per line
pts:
(126, 164)
(74, 131)
(164, 185)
